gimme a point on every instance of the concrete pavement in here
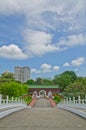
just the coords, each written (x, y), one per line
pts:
(43, 118)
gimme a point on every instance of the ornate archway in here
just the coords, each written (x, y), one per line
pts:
(42, 93)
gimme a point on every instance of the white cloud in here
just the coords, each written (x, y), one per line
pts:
(46, 67)
(72, 40)
(38, 12)
(39, 42)
(12, 51)
(43, 16)
(77, 62)
(56, 68)
(66, 64)
(35, 71)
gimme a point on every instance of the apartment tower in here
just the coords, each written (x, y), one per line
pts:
(22, 74)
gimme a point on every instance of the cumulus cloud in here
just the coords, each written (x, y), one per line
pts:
(35, 71)
(39, 42)
(77, 62)
(66, 64)
(12, 51)
(56, 68)
(46, 16)
(46, 67)
(72, 40)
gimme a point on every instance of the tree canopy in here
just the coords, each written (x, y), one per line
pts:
(13, 89)
(7, 77)
(65, 79)
(78, 88)
(69, 83)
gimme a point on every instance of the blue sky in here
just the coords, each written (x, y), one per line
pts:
(48, 36)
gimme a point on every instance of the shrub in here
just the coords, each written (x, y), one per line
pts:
(57, 98)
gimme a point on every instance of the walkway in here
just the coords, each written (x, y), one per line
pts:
(46, 118)
(42, 102)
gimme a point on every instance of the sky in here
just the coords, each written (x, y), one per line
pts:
(48, 36)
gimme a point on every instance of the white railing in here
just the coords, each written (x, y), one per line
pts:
(8, 106)
(10, 101)
(74, 101)
(77, 106)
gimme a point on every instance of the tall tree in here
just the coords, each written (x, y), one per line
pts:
(30, 82)
(75, 89)
(65, 79)
(39, 81)
(7, 77)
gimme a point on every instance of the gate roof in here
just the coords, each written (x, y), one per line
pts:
(44, 86)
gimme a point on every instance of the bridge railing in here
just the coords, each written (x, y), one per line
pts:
(10, 101)
(10, 105)
(77, 106)
(74, 100)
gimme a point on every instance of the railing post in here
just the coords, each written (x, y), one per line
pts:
(0, 98)
(70, 100)
(82, 101)
(85, 99)
(16, 100)
(79, 99)
(64, 101)
(21, 101)
(67, 100)
(7, 98)
(74, 100)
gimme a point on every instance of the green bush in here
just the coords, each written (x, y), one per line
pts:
(28, 99)
(57, 98)
(13, 89)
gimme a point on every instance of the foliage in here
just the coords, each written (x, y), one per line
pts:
(62, 80)
(47, 82)
(78, 88)
(28, 99)
(57, 98)
(13, 89)
(65, 79)
(69, 83)
(41, 81)
(30, 82)
(7, 77)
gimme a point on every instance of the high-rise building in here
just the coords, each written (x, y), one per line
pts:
(22, 74)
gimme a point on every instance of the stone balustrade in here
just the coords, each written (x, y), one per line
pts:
(74, 100)
(77, 106)
(10, 105)
(11, 100)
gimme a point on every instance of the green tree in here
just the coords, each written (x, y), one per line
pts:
(57, 98)
(39, 81)
(30, 82)
(7, 77)
(75, 89)
(46, 82)
(13, 89)
(65, 79)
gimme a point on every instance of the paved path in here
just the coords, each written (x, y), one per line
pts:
(42, 102)
(46, 118)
